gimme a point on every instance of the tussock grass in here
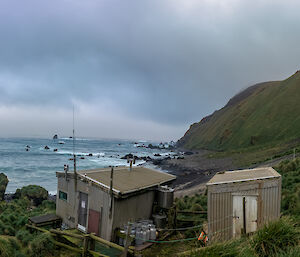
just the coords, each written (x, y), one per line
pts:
(275, 237)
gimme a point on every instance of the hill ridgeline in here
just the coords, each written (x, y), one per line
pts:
(266, 114)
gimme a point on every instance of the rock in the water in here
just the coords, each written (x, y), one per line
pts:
(46, 147)
(146, 158)
(55, 150)
(130, 156)
(127, 156)
(55, 136)
(90, 154)
(157, 154)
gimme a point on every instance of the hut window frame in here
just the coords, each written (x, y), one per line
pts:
(63, 196)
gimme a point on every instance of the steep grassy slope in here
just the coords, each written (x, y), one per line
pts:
(265, 114)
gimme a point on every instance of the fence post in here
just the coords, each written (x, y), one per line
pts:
(127, 240)
(85, 245)
(92, 242)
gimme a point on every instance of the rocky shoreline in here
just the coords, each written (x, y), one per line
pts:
(192, 168)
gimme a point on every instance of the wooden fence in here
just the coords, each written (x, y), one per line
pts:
(88, 242)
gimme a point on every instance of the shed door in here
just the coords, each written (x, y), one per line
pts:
(94, 220)
(244, 214)
(82, 211)
(251, 214)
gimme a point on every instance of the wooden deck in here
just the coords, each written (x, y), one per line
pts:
(44, 220)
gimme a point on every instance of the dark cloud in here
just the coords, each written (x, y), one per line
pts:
(167, 63)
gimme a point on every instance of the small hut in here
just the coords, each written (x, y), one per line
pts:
(101, 200)
(241, 201)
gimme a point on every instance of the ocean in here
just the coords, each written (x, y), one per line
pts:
(38, 165)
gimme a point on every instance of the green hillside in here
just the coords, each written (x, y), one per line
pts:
(266, 114)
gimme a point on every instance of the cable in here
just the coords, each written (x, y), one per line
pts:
(184, 239)
(186, 228)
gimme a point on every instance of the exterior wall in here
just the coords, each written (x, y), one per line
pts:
(98, 200)
(66, 209)
(220, 209)
(133, 208)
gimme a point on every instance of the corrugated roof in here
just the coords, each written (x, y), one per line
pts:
(126, 181)
(243, 175)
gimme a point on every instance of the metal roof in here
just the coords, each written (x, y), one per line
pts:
(243, 175)
(125, 180)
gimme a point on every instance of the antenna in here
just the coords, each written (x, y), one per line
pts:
(74, 155)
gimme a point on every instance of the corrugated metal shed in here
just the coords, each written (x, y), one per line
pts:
(242, 201)
(125, 180)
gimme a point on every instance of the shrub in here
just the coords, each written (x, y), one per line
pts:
(24, 237)
(9, 230)
(5, 249)
(197, 207)
(20, 254)
(42, 246)
(226, 249)
(3, 184)
(36, 193)
(275, 237)
(291, 252)
(8, 248)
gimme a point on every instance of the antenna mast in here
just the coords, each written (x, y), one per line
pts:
(74, 155)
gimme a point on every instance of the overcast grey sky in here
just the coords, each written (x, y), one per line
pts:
(137, 68)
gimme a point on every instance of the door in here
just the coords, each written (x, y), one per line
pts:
(82, 211)
(238, 217)
(244, 214)
(94, 220)
(251, 214)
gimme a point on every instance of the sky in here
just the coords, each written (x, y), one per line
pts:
(136, 69)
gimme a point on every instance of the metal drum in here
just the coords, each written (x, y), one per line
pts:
(147, 231)
(143, 235)
(139, 237)
(165, 197)
(160, 220)
(152, 232)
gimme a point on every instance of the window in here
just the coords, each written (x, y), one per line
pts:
(63, 196)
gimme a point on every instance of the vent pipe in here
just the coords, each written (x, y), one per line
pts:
(66, 169)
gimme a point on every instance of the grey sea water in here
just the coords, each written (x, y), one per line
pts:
(38, 166)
